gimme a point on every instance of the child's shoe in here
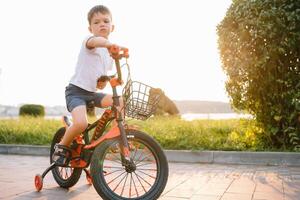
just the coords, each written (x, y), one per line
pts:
(62, 155)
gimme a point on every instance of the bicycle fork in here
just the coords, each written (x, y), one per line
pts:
(124, 146)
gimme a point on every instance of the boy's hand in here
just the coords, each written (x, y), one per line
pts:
(101, 84)
(114, 50)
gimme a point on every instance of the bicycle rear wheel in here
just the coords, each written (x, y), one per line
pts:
(64, 176)
(145, 180)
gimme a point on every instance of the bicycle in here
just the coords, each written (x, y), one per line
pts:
(125, 163)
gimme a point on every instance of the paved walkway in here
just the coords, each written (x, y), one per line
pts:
(186, 181)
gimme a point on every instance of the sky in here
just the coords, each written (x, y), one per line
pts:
(172, 46)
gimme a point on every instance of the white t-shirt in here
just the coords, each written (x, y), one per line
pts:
(91, 65)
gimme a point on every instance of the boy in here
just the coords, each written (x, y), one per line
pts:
(93, 62)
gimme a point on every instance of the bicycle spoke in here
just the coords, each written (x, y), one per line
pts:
(116, 157)
(146, 174)
(146, 150)
(144, 164)
(140, 154)
(143, 159)
(142, 179)
(124, 184)
(140, 182)
(116, 178)
(70, 172)
(130, 185)
(147, 153)
(60, 171)
(137, 193)
(147, 169)
(115, 161)
(120, 182)
(66, 173)
(113, 167)
(136, 151)
(113, 172)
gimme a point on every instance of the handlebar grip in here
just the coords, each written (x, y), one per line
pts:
(115, 50)
(125, 53)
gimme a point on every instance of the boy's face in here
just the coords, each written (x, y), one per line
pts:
(101, 25)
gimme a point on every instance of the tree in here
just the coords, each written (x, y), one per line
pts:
(33, 110)
(259, 43)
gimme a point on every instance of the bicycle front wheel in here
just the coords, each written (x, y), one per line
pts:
(146, 179)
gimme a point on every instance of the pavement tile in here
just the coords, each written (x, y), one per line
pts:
(291, 190)
(181, 193)
(211, 191)
(172, 198)
(186, 182)
(204, 197)
(242, 186)
(236, 196)
(294, 196)
(269, 187)
(268, 196)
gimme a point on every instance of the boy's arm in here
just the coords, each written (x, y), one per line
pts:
(94, 41)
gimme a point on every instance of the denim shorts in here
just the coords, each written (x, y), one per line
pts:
(76, 96)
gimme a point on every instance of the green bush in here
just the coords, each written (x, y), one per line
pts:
(259, 47)
(32, 110)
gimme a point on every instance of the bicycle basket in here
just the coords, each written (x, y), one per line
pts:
(139, 100)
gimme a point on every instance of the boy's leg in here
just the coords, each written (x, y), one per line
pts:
(79, 124)
(62, 152)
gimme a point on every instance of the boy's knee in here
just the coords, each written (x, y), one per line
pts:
(107, 101)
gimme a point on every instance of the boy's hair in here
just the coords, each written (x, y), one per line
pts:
(99, 8)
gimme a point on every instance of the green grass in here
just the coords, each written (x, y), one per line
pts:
(28, 130)
(236, 134)
(171, 133)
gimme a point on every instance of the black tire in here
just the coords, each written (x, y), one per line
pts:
(100, 174)
(72, 174)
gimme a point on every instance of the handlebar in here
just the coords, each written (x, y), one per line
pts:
(117, 53)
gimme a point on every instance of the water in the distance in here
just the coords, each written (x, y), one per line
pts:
(193, 116)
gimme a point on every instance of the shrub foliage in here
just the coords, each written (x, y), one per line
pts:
(259, 43)
(32, 110)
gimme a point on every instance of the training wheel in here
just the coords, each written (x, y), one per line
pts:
(38, 182)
